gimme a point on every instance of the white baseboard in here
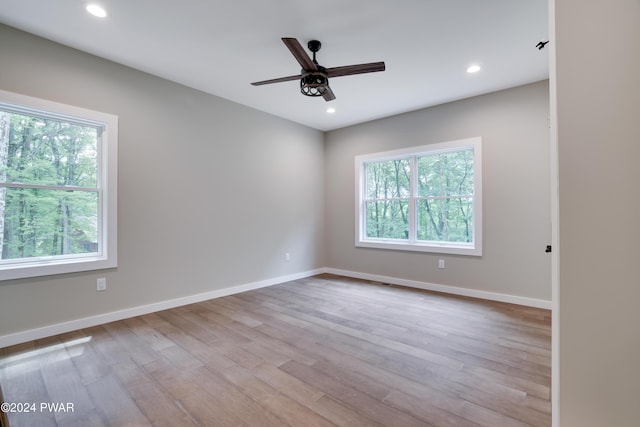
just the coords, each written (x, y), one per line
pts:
(60, 328)
(493, 296)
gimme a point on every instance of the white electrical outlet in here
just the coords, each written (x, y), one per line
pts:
(287, 257)
(101, 284)
(440, 263)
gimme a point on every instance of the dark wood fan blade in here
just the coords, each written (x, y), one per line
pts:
(348, 70)
(299, 53)
(278, 80)
(328, 95)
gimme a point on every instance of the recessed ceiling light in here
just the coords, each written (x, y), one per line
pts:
(331, 110)
(473, 69)
(96, 10)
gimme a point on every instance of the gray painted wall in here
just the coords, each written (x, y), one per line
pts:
(211, 194)
(598, 116)
(514, 127)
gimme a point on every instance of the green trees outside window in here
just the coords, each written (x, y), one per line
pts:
(387, 203)
(48, 186)
(445, 197)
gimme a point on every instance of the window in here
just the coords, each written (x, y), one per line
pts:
(58, 183)
(425, 198)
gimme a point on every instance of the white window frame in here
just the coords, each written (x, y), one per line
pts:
(107, 190)
(473, 248)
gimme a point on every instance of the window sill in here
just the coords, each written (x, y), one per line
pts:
(47, 268)
(440, 248)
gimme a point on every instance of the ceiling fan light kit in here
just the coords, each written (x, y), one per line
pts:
(314, 78)
(314, 83)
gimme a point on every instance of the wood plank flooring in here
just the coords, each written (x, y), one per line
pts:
(321, 351)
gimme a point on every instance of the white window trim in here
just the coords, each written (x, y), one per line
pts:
(457, 248)
(107, 191)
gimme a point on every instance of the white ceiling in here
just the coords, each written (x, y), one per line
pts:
(220, 47)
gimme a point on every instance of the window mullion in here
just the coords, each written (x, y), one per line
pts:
(48, 187)
(413, 188)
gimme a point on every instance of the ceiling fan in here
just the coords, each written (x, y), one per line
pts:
(314, 78)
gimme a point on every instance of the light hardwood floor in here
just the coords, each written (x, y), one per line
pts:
(321, 351)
